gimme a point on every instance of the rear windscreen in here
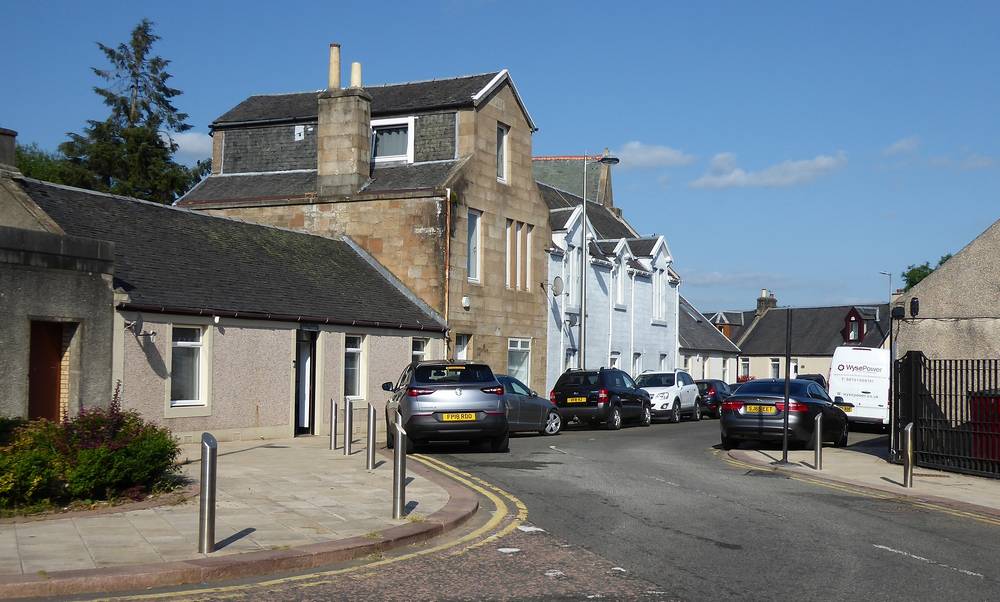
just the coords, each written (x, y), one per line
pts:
(577, 378)
(772, 387)
(702, 387)
(655, 380)
(459, 373)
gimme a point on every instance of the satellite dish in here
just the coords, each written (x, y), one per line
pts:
(557, 286)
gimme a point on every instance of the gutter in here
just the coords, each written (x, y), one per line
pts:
(252, 315)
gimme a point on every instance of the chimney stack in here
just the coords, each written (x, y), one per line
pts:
(333, 81)
(765, 301)
(8, 142)
(343, 137)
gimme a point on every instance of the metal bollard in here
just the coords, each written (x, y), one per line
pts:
(206, 499)
(348, 426)
(818, 456)
(333, 424)
(908, 455)
(372, 426)
(399, 473)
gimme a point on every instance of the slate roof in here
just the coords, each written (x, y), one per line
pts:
(565, 173)
(178, 259)
(252, 187)
(605, 223)
(697, 333)
(229, 188)
(642, 247)
(389, 99)
(815, 330)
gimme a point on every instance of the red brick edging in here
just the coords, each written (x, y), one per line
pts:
(742, 456)
(462, 504)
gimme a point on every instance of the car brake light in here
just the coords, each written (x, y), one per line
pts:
(497, 390)
(711, 390)
(552, 397)
(793, 406)
(734, 406)
(602, 396)
(413, 392)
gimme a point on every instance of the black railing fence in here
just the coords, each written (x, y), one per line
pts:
(955, 408)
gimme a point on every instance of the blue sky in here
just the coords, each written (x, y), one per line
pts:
(793, 146)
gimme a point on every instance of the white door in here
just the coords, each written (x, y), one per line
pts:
(303, 394)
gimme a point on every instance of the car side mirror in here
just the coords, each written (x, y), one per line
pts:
(534, 393)
(839, 400)
(387, 386)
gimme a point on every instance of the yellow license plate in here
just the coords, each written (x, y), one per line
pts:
(459, 417)
(755, 409)
(847, 409)
(576, 400)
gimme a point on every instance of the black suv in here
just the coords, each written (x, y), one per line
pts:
(607, 395)
(713, 393)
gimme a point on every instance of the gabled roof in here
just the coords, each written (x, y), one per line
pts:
(815, 330)
(388, 99)
(178, 260)
(565, 173)
(697, 334)
(605, 223)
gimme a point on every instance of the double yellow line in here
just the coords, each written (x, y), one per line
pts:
(870, 493)
(488, 532)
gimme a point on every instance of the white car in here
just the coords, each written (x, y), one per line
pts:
(673, 394)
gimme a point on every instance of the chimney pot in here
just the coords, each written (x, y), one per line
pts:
(8, 142)
(355, 75)
(334, 74)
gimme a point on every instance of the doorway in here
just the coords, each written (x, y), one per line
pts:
(305, 382)
(45, 381)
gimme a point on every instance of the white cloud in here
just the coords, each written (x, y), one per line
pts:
(976, 161)
(902, 146)
(723, 172)
(639, 155)
(193, 145)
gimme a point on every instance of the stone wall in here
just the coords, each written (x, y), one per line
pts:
(434, 138)
(271, 148)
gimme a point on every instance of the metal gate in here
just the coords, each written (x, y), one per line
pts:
(955, 408)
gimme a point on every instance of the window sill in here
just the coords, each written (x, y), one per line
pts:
(656, 322)
(503, 181)
(187, 411)
(619, 307)
(475, 281)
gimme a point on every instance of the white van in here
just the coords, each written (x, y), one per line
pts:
(861, 376)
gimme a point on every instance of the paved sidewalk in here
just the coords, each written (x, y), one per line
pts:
(272, 495)
(866, 464)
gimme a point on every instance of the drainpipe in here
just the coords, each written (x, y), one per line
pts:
(631, 321)
(611, 312)
(447, 267)
(677, 323)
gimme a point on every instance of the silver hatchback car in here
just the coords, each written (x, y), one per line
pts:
(446, 401)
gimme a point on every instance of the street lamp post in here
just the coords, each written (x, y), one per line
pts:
(892, 374)
(604, 159)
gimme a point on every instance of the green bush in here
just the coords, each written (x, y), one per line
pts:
(100, 454)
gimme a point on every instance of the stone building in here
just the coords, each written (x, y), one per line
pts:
(705, 351)
(433, 178)
(209, 323)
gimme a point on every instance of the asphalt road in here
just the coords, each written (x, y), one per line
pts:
(660, 502)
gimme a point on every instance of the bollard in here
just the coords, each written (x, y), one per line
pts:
(372, 426)
(908, 455)
(818, 456)
(399, 474)
(206, 499)
(348, 426)
(333, 424)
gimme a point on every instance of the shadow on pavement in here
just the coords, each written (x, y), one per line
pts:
(234, 538)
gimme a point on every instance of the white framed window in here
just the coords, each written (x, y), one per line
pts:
(570, 360)
(392, 140)
(620, 284)
(725, 369)
(418, 350)
(526, 256)
(462, 346)
(519, 359)
(615, 360)
(511, 262)
(518, 237)
(636, 363)
(502, 131)
(775, 367)
(687, 363)
(187, 367)
(353, 354)
(663, 361)
(659, 295)
(855, 333)
(745, 367)
(474, 239)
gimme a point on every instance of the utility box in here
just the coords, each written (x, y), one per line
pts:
(985, 421)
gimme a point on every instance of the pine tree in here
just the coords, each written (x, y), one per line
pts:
(131, 151)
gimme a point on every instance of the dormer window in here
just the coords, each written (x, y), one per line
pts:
(854, 331)
(392, 140)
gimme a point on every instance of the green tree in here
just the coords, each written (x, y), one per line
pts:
(36, 162)
(916, 273)
(131, 151)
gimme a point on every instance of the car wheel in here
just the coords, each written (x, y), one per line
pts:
(647, 416)
(696, 416)
(728, 442)
(553, 423)
(842, 440)
(675, 412)
(614, 419)
(500, 444)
